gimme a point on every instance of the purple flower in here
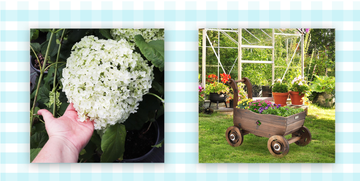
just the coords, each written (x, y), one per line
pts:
(278, 106)
(260, 111)
(266, 108)
(307, 30)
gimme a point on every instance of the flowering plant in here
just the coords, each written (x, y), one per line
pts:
(201, 96)
(225, 77)
(117, 84)
(129, 34)
(260, 105)
(244, 103)
(299, 85)
(282, 111)
(216, 87)
(211, 78)
(279, 87)
(241, 93)
(106, 80)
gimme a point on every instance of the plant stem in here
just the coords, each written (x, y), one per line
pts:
(37, 58)
(39, 81)
(56, 66)
(162, 100)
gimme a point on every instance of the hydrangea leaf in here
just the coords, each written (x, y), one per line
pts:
(113, 143)
(153, 51)
(34, 34)
(34, 153)
(105, 33)
(146, 111)
(38, 139)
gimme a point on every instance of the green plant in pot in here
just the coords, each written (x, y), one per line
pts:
(280, 92)
(217, 92)
(298, 90)
(324, 87)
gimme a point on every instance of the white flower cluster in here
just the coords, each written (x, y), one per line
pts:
(129, 34)
(105, 80)
(297, 80)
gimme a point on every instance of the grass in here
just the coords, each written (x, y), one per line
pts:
(213, 147)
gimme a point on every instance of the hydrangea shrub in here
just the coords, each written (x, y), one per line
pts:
(129, 34)
(105, 79)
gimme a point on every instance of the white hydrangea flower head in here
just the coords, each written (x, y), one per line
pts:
(129, 34)
(105, 79)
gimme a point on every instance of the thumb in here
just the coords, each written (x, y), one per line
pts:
(46, 114)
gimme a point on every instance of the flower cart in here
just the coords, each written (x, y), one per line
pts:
(265, 125)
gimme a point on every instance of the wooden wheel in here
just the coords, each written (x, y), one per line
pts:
(278, 146)
(234, 136)
(305, 135)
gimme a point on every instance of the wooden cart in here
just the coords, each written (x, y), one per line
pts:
(265, 125)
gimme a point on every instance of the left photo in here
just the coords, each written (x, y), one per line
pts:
(96, 95)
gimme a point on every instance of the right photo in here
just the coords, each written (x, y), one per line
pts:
(266, 95)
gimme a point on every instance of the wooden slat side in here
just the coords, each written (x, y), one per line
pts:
(294, 126)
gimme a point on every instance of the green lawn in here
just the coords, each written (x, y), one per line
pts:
(213, 147)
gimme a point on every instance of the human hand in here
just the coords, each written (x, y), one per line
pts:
(67, 129)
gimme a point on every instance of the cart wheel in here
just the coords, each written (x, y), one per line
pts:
(278, 146)
(305, 135)
(234, 136)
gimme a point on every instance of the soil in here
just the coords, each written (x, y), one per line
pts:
(138, 143)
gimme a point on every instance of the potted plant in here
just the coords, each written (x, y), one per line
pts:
(324, 88)
(297, 90)
(217, 92)
(241, 94)
(201, 98)
(280, 92)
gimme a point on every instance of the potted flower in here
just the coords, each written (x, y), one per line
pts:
(297, 90)
(241, 94)
(217, 92)
(280, 92)
(201, 98)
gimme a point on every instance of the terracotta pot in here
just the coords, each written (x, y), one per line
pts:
(280, 98)
(296, 99)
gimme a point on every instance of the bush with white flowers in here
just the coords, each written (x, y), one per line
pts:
(129, 34)
(105, 79)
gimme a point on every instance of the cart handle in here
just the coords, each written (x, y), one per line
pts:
(233, 85)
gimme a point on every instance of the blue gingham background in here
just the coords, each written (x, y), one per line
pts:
(181, 21)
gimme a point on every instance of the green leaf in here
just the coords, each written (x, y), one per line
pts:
(34, 153)
(36, 47)
(38, 127)
(106, 33)
(34, 34)
(145, 112)
(95, 138)
(43, 96)
(113, 143)
(153, 51)
(159, 88)
(63, 107)
(159, 145)
(82, 152)
(38, 139)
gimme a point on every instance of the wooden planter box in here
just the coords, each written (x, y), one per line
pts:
(266, 125)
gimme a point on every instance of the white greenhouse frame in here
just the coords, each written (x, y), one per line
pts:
(240, 46)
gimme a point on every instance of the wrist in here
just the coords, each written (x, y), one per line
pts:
(67, 148)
